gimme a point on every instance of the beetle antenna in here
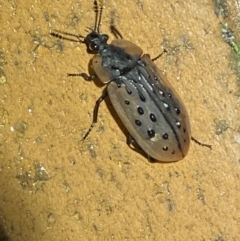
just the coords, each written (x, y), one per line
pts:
(64, 35)
(96, 14)
(98, 9)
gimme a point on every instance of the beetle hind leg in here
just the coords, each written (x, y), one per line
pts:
(200, 143)
(95, 113)
(134, 146)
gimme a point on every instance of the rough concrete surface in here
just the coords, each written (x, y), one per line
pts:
(55, 187)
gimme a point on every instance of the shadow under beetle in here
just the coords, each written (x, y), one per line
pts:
(145, 101)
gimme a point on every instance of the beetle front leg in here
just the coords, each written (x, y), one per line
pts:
(84, 75)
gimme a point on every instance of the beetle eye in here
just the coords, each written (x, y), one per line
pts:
(93, 47)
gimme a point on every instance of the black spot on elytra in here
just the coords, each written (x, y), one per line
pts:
(151, 133)
(129, 91)
(140, 110)
(165, 148)
(153, 117)
(169, 95)
(166, 106)
(161, 93)
(142, 98)
(165, 136)
(178, 124)
(138, 122)
(177, 111)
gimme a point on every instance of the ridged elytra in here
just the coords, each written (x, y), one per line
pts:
(145, 101)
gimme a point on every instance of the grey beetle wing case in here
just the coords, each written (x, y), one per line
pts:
(152, 112)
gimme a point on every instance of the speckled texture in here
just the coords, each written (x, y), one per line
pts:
(55, 187)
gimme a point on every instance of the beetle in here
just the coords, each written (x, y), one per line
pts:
(144, 100)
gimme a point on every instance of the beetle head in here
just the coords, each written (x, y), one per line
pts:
(95, 41)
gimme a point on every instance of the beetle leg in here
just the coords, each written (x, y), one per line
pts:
(158, 56)
(84, 75)
(131, 142)
(200, 143)
(95, 112)
(134, 146)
